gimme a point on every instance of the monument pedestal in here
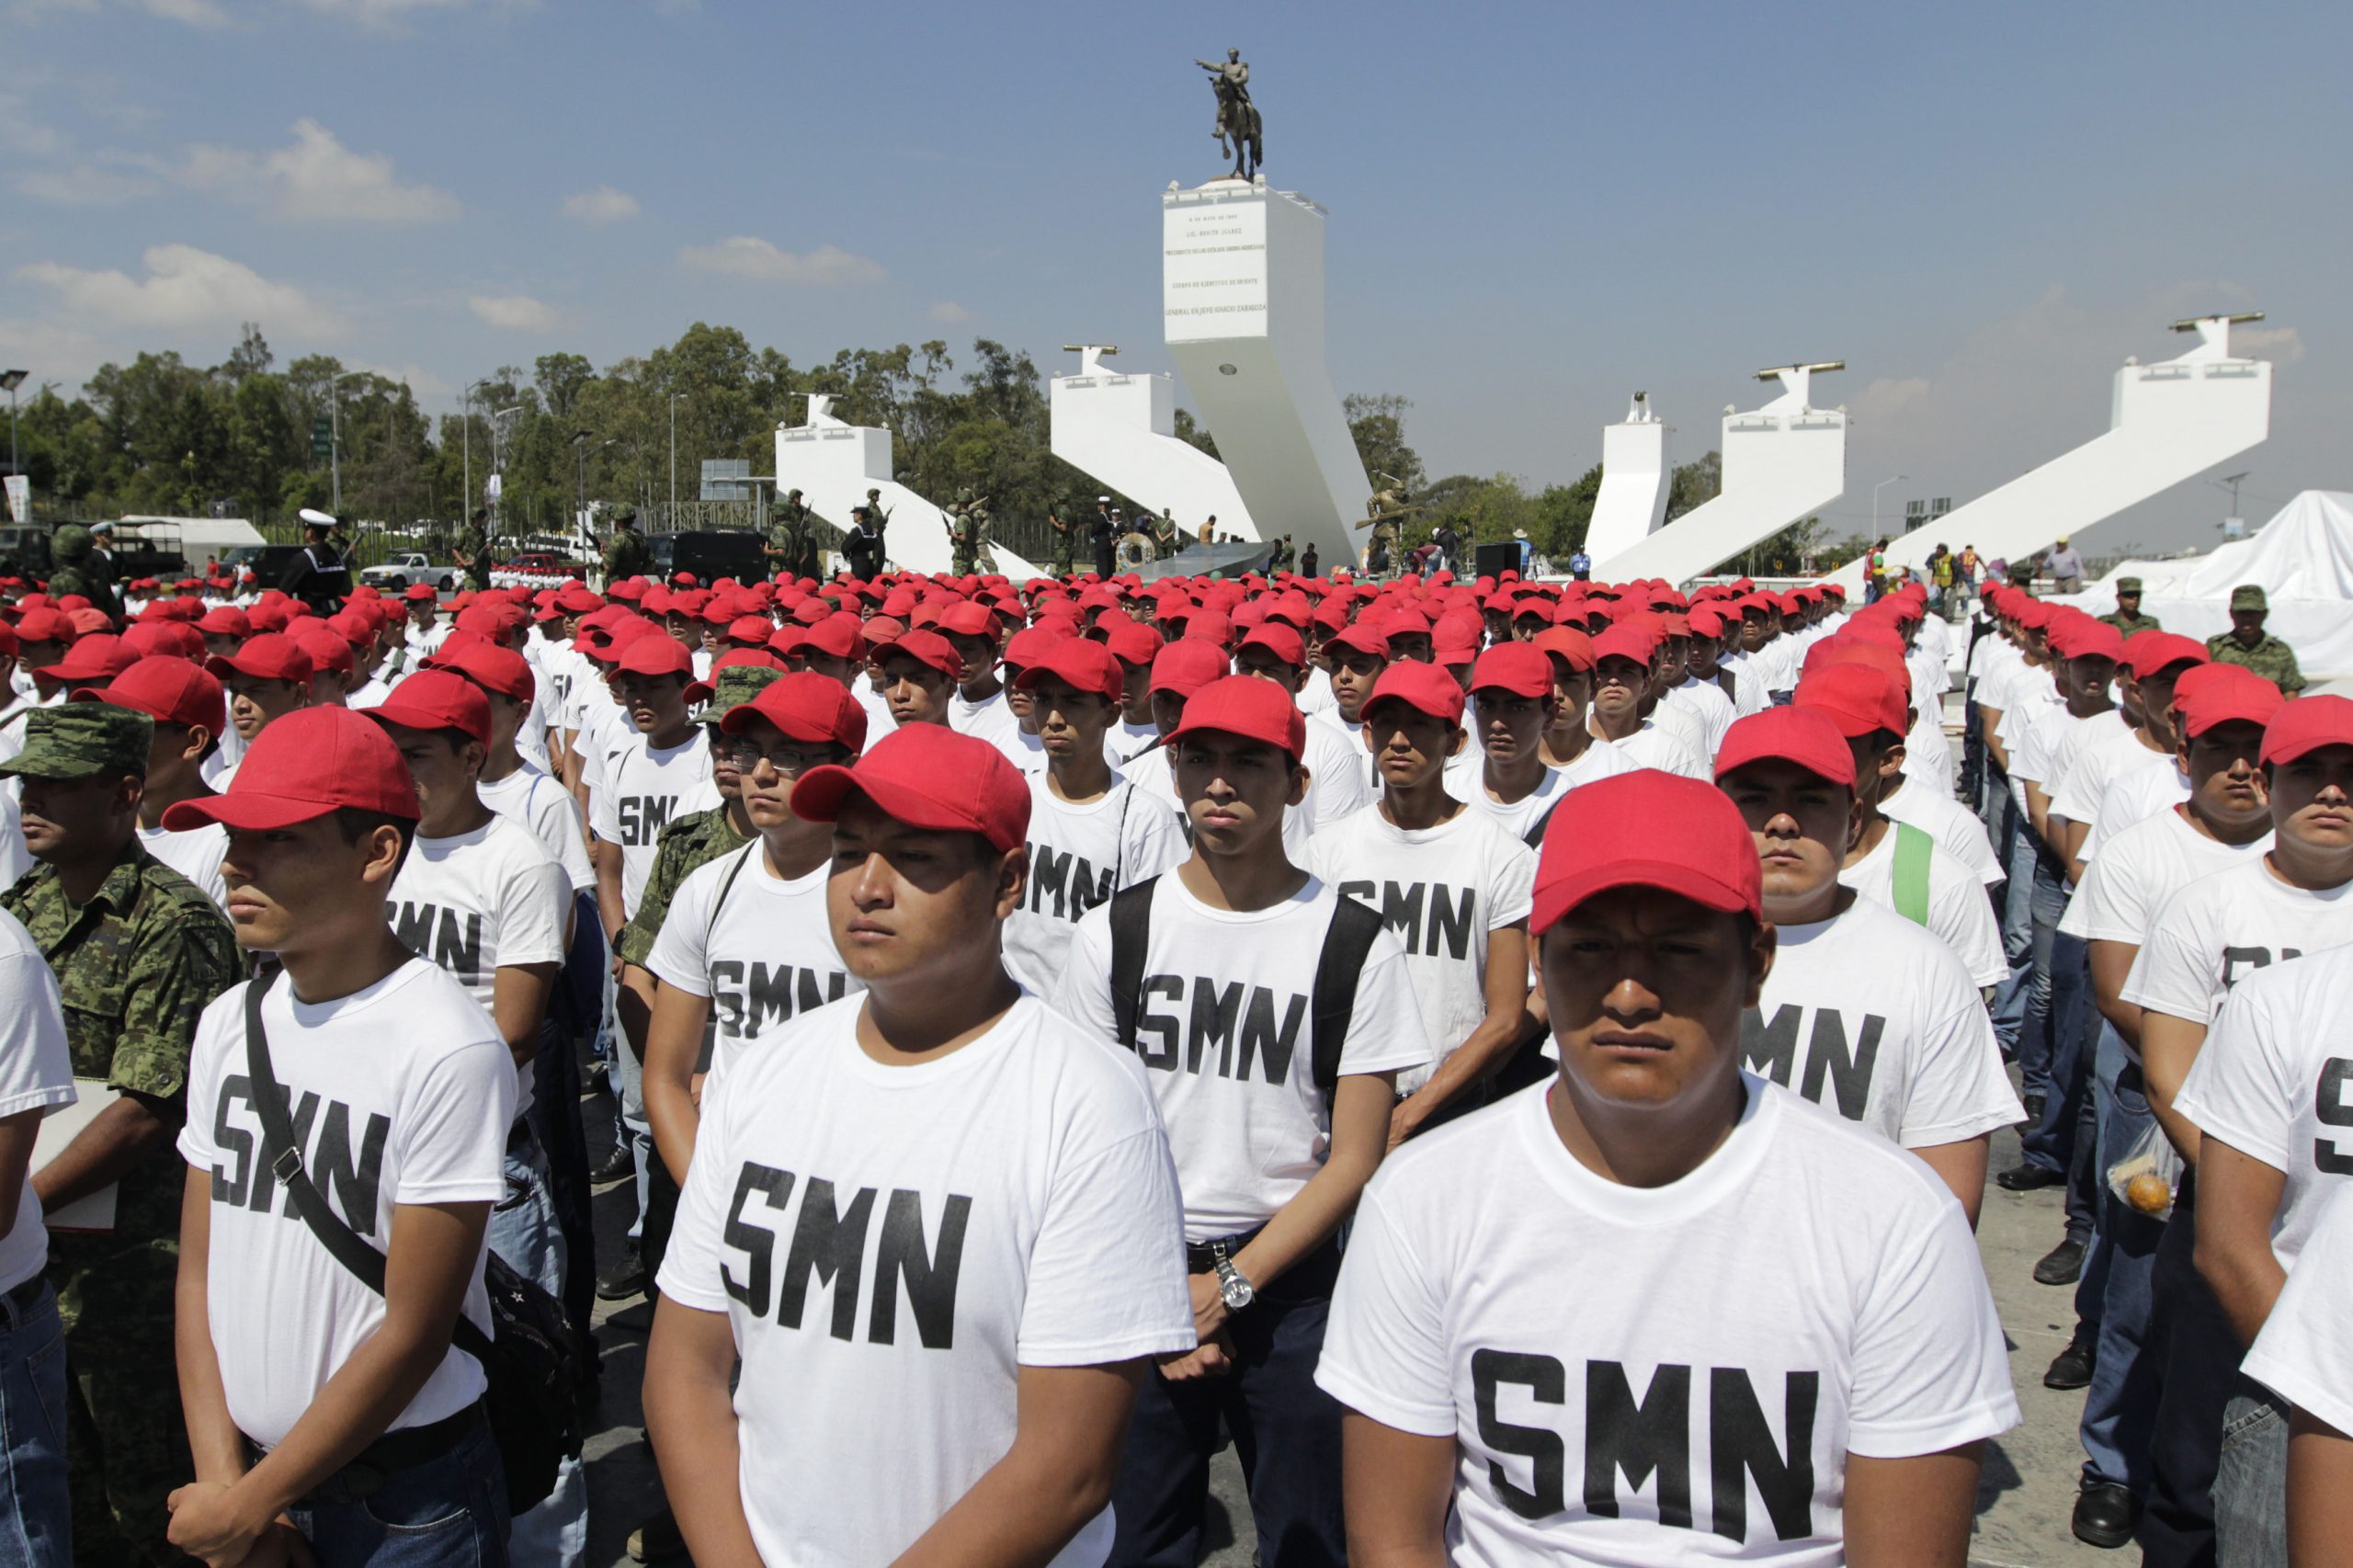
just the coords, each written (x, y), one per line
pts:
(833, 464)
(1242, 271)
(1634, 478)
(1122, 429)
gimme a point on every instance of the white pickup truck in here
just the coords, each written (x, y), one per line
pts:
(398, 572)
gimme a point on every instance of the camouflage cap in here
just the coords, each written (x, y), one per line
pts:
(71, 541)
(731, 687)
(81, 740)
(626, 515)
(2247, 596)
(2128, 585)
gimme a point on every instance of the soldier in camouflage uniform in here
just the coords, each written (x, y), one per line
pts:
(139, 950)
(1061, 544)
(625, 552)
(2247, 644)
(1283, 557)
(2127, 618)
(471, 551)
(788, 545)
(74, 572)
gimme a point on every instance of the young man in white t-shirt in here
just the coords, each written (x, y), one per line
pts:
(1276, 1124)
(1624, 665)
(315, 1406)
(190, 712)
(1865, 1012)
(1450, 882)
(1338, 782)
(1353, 657)
(1092, 832)
(2304, 1355)
(2296, 898)
(265, 679)
(1514, 699)
(1541, 1301)
(918, 673)
(933, 1197)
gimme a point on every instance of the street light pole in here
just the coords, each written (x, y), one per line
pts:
(673, 518)
(466, 419)
(12, 379)
(335, 437)
(1875, 490)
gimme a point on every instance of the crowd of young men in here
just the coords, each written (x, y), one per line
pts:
(1414, 1032)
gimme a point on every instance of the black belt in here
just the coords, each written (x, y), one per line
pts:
(395, 1452)
(1201, 1256)
(25, 1296)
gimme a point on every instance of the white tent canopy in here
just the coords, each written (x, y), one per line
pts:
(2301, 559)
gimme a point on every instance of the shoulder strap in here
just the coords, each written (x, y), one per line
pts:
(1913, 849)
(1131, 934)
(726, 886)
(1348, 941)
(284, 1156)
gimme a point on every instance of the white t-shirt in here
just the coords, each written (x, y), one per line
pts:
(1654, 747)
(2138, 869)
(1670, 1375)
(1442, 890)
(16, 859)
(1873, 1017)
(892, 1245)
(36, 1074)
(1221, 1026)
(1079, 855)
(2303, 1354)
(762, 954)
(2134, 795)
(1958, 830)
(1958, 911)
(1339, 784)
(2219, 930)
(641, 789)
(2110, 748)
(1706, 701)
(403, 1093)
(196, 854)
(1359, 756)
(988, 718)
(2275, 1081)
(531, 797)
(1525, 818)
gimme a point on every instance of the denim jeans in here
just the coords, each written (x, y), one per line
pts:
(2046, 902)
(1286, 1432)
(36, 1506)
(525, 1234)
(2200, 1355)
(2013, 836)
(2251, 1481)
(2121, 1402)
(631, 1124)
(449, 1512)
(2050, 1143)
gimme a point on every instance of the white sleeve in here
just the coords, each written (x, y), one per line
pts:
(1385, 1031)
(2175, 972)
(532, 907)
(1083, 993)
(1511, 893)
(1962, 915)
(604, 809)
(680, 956)
(2238, 1088)
(204, 1057)
(1385, 1351)
(1106, 1270)
(453, 1142)
(557, 822)
(1959, 1089)
(2110, 904)
(36, 1068)
(1153, 842)
(2076, 797)
(1930, 1368)
(2303, 1354)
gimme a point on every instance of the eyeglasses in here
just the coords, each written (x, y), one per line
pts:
(789, 760)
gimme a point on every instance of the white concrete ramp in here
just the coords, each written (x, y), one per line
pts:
(833, 464)
(1634, 478)
(1782, 462)
(2168, 422)
(1120, 429)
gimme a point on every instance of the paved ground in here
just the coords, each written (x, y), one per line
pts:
(2029, 1478)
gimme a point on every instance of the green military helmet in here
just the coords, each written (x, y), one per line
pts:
(2128, 585)
(70, 544)
(81, 740)
(734, 687)
(2247, 595)
(625, 517)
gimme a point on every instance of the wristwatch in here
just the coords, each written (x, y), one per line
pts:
(1232, 1286)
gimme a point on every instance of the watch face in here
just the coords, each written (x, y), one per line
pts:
(1236, 1292)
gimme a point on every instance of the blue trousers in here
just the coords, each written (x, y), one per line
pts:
(2071, 1030)
(2199, 1352)
(2121, 1404)
(449, 1512)
(36, 1507)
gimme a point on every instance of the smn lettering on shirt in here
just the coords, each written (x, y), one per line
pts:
(1201, 1036)
(742, 1006)
(825, 1247)
(642, 817)
(349, 1174)
(1770, 1049)
(1430, 918)
(446, 937)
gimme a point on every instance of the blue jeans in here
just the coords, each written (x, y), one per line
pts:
(2251, 1481)
(36, 1508)
(524, 1232)
(1286, 1433)
(2121, 1402)
(2200, 1351)
(449, 1512)
(2046, 901)
(2050, 1143)
(2013, 998)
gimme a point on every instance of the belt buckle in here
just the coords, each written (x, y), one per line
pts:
(287, 1167)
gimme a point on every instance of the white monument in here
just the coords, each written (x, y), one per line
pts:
(2167, 422)
(1634, 477)
(1122, 429)
(1243, 295)
(833, 464)
(1781, 462)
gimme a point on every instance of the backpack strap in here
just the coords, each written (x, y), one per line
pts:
(1348, 941)
(726, 886)
(1131, 934)
(1913, 849)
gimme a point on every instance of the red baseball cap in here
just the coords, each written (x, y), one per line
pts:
(328, 647)
(1246, 706)
(659, 655)
(1426, 688)
(837, 636)
(176, 637)
(436, 700)
(1624, 642)
(2306, 726)
(1186, 666)
(2255, 701)
(227, 620)
(97, 657)
(42, 624)
(165, 688)
(421, 593)
(1806, 736)
(2153, 651)
(1855, 697)
(1523, 669)
(968, 619)
(1283, 641)
(929, 776)
(1567, 644)
(927, 648)
(806, 707)
(1080, 663)
(272, 655)
(1131, 641)
(1029, 644)
(488, 666)
(312, 761)
(1648, 829)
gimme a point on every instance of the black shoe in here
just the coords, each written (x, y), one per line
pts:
(625, 1278)
(657, 1539)
(2063, 1264)
(597, 1079)
(618, 1165)
(2105, 1514)
(2072, 1368)
(2034, 1104)
(2028, 1176)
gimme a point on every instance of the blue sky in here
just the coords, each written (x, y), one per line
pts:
(1535, 209)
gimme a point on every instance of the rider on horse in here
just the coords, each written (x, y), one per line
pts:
(1237, 117)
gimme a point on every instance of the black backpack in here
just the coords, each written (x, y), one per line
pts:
(1348, 941)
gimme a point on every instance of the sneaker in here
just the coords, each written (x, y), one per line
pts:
(657, 1539)
(2063, 1264)
(2072, 1368)
(625, 1278)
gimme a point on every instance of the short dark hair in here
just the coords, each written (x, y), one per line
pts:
(354, 825)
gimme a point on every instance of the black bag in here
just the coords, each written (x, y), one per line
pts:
(534, 1363)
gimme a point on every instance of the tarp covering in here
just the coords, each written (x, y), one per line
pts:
(2301, 559)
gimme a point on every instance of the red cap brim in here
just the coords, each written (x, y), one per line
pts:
(248, 810)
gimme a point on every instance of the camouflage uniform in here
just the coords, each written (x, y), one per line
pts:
(74, 572)
(1060, 546)
(625, 553)
(2270, 658)
(961, 552)
(475, 545)
(787, 549)
(692, 842)
(136, 967)
(2129, 624)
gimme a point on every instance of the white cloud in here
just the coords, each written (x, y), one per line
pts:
(1888, 397)
(195, 13)
(318, 180)
(2280, 345)
(744, 256)
(949, 311)
(184, 289)
(515, 313)
(382, 13)
(602, 205)
(84, 184)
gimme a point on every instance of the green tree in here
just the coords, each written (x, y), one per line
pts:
(1693, 482)
(1377, 423)
(1563, 512)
